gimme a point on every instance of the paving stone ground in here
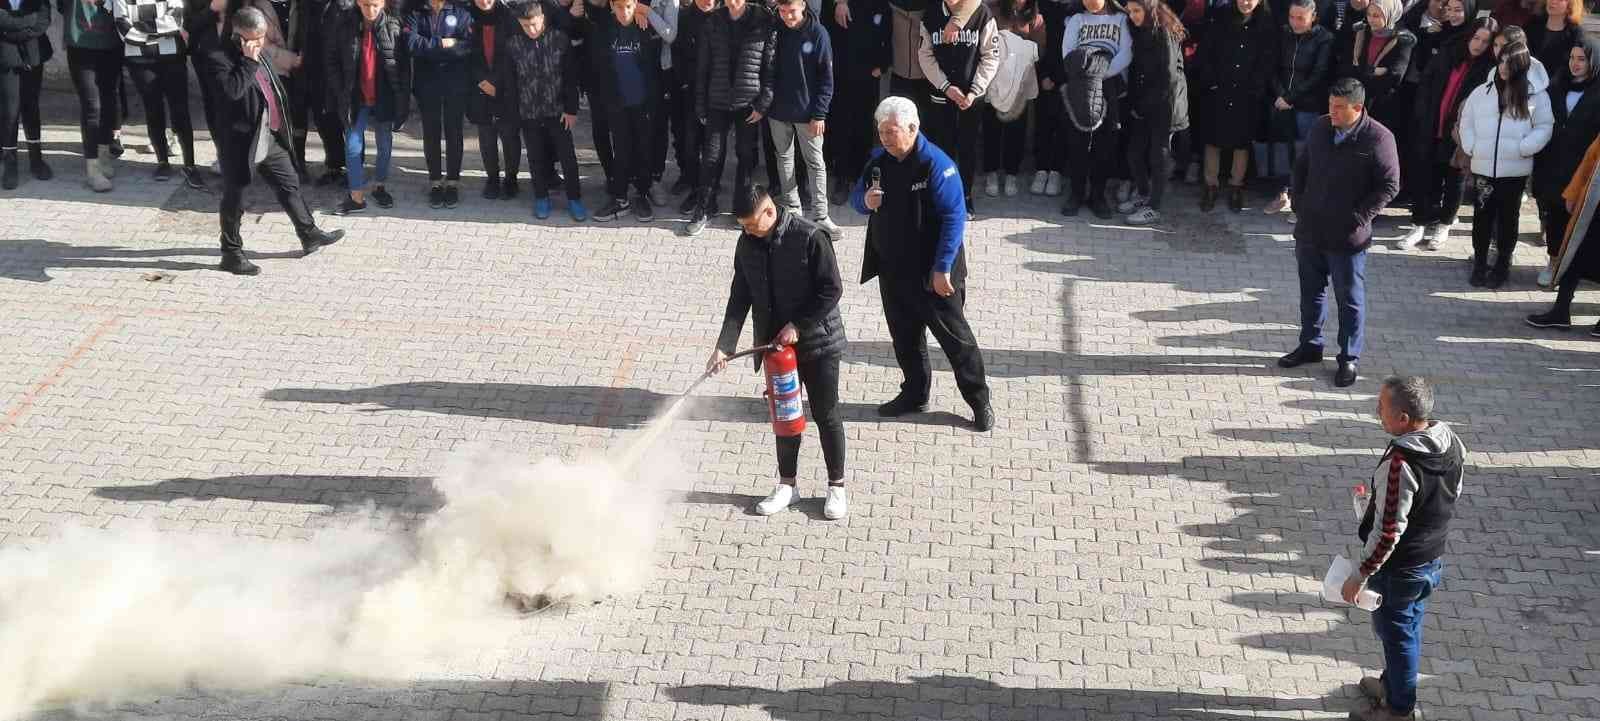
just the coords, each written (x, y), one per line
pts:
(1141, 537)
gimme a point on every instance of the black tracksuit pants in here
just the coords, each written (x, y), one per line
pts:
(279, 172)
(746, 143)
(500, 139)
(1494, 221)
(631, 155)
(442, 98)
(910, 308)
(541, 137)
(957, 132)
(821, 379)
(851, 133)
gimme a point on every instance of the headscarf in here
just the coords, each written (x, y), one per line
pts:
(1391, 17)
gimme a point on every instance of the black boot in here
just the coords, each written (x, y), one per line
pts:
(1497, 276)
(313, 240)
(233, 261)
(36, 162)
(1208, 198)
(8, 169)
(1480, 274)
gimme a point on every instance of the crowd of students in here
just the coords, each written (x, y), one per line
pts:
(1122, 98)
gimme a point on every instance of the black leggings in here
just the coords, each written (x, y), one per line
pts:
(1003, 142)
(19, 100)
(164, 90)
(1495, 219)
(821, 379)
(1090, 159)
(95, 74)
(1149, 142)
(443, 102)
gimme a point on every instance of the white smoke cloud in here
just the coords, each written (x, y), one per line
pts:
(93, 618)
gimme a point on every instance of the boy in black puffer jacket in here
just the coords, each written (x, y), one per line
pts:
(364, 43)
(735, 54)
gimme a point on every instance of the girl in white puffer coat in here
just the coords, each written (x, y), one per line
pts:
(1504, 123)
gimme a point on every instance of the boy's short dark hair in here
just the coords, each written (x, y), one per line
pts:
(533, 9)
(747, 200)
(788, 2)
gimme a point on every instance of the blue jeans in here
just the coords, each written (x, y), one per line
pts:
(1349, 274)
(355, 148)
(1398, 624)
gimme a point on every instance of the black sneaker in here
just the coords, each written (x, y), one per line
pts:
(115, 146)
(972, 212)
(163, 171)
(1346, 375)
(436, 197)
(452, 196)
(642, 210)
(983, 418)
(1070, 206)
(698, 221)
(491, 190)
(194, 178)
(1479, 277)
(902, 405)
(1101, 209)
(382, 197)
(1595, 331)
(612, 210)
(1550, 320)
(1497, 278)
(349, 205)
(689, 205)
(331, 176)
(509, 189)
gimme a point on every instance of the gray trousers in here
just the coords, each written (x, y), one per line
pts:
(785, 138)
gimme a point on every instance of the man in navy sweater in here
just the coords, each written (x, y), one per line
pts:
(913, 196)
(802, 89)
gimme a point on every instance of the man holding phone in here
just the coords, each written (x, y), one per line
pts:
(912, 192)
(257, 138)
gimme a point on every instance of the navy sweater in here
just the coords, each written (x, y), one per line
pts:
(802, 81)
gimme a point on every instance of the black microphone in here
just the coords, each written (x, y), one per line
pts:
(877, 174)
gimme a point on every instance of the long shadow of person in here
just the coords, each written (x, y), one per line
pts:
(32, 259)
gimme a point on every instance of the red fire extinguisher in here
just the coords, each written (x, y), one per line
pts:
(783, 391)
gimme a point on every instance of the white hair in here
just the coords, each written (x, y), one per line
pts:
(899, 109)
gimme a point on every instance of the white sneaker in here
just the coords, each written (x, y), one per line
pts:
(1011, 186)
(837, 505)
(829, 227)
(1412, 238)
(1052, 186)
(94, 178)
(1440, 234)
(1547, 277)
(780, 499)
(1278, 204)
(991, 185)
(1145, 215)
(1133, 203)
(1039, 179)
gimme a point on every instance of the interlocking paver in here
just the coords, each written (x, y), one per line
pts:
(1141, 536)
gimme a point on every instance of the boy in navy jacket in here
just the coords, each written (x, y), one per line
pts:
(802, 90)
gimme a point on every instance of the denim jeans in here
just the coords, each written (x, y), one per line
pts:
(1398, 624)
(1348, 272)
(355, 148)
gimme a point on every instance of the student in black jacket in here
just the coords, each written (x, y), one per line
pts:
(24, 49)
(735, 55)
(1437, 186)
(438, 37)
(960, 54)
(367, 83)
(690, 144)
(498, 134)
(1575, 102)
(538, 81)
(627, 63)
(860, 33)
(1298, 91)
(1158, 104)
(257, 138)
(786, 276)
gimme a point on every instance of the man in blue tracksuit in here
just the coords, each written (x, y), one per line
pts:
(918, 218)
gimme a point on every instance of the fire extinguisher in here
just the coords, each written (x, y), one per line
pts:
(783, 391)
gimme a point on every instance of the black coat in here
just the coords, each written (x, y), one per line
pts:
(1552, 47)
(1235, 64)
(483, 109)
(240, 106)
(1305, 67)
(1339, 189)
(341, 62)
(24, 35)
(735, 57)
(790, 276)
(1574, 132)
(1157, 88)
(1425, 147)
(1395, 59)
(686, 48)
(865, 44)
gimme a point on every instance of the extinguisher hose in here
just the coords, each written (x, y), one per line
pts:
(730, 359)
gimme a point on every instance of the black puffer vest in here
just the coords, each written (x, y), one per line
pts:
(733, 56)
(778, 298)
